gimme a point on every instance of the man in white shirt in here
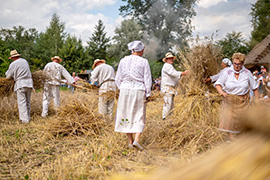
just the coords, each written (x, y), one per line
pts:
(169, 79)
(19, 70)
(51, 87)
(134, 80)
(104, 75)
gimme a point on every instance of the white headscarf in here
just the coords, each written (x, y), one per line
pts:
(227, 62)
(135, 46)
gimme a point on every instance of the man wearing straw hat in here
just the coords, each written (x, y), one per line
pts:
(104, 75)
(19, 70)
(51, 87)
(134, 80)
(169, 79)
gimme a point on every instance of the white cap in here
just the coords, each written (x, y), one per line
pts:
(227, 61)
(135, 46)
(262, 67)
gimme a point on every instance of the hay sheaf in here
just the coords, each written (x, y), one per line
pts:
(76, 118)
(202, 61)
(6, 87)
(39, 79)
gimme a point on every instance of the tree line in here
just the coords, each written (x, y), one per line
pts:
(162, 25)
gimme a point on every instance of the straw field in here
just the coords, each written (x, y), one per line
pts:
(78, 143)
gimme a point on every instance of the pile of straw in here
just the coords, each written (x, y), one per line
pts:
(6, 87)
(76, 118)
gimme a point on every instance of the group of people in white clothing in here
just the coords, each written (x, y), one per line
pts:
(133, 79)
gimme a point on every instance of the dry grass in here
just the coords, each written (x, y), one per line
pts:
(248, 157)
(78, 143)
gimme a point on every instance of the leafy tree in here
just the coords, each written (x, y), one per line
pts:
(155, 67)
(4, 61)
(260, 21)
(167, 20)
(233, 42)
(73, 54)
(127, 32)
(50, 42)
(17, 38)
(97, 44)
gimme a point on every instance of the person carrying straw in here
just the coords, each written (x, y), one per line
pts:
(104, 75)
(55, 71)
(169, 79)
(19, 70)
(234, 85)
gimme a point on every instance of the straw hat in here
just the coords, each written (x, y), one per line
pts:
(56, 57)
(96, 61)
(168, 55)
(14, 53)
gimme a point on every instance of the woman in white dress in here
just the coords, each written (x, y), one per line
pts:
(226, 63)
(234, 85)
(134, 80)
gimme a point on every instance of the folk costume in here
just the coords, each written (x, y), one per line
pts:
(51, 87)
(226, 61)
(104, 75)
(169, 79)
(134, 80)
(238, 97)
(19, 70)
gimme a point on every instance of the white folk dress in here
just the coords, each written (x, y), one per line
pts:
(238, 99)
(134, 80)
(104, 75)
(19, 70)
(51, 88)
(215, 77)
(169, 79)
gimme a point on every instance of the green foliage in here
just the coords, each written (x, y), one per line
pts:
(97, 44)
(232, 43)
(49, 43)
(168, 21)
(73, 55)
(127, 32)
(155, 67)
(17, 38)
(260, 21)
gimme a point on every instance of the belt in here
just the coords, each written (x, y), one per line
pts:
(105, 81)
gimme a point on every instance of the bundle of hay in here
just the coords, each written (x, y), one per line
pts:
(193, 124)
(155, 95)
(202, 61)
(77, 117)
(86, 85)
(6, 87)
(39, 79)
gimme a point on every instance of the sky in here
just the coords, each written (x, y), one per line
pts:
(81, 16)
